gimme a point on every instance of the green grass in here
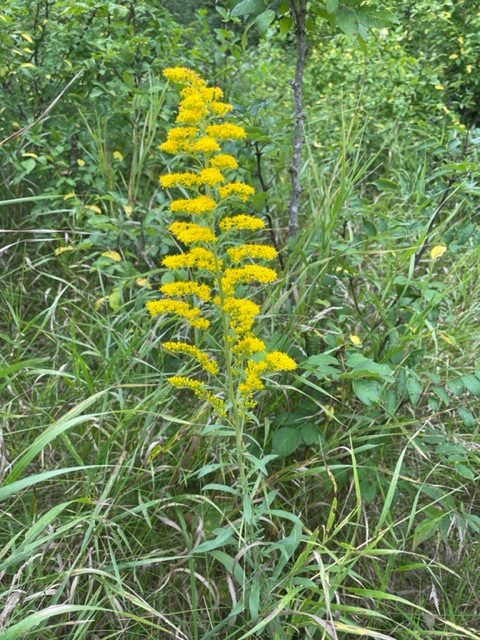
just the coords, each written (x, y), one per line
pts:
(121, 511)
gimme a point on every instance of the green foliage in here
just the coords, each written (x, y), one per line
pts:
(120, 502)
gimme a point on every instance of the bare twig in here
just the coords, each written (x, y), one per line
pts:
(44, 113)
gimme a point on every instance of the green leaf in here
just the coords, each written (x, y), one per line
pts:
(264, 20)
(347, 21)
(223, 535)
(311, 434)
(286, 440)
(19, 630)
(323, 365)
(248, 7)
(285, 25)
(414, 390)
(331, 5)
(29, 165)
(456, 386)
(442, 394)
(368, 391)
(426, 529)
(466, 416)
(465, 471)
(366, 368)
(472, 383)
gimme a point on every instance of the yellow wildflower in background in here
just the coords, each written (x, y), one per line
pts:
(209, 365)
(198, 258)
(113, 255)
(226, 131)
(211, 177)
(246, 275)
(356, 340)
(249, 345)
(185, 179)
(242, 313)
(206, 144)
(438, 251)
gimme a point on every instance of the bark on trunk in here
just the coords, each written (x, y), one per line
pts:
(299, 12)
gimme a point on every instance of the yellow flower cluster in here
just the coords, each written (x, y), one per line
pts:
(185, 179)
(200, 390)
(224, 161)
(187, 288)
(201, 130)
(242, 313)
(242, 222)
(196, 258)
(238, 189)
(194, 206)
(178, 308)
(211, 366)
(245, 275)
(226, 131)
(191, 233)
(249, 345)
(273, 362)
(244, 251)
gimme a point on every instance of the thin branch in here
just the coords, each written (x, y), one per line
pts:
(44, 113)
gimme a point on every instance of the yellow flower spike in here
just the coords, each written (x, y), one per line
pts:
(209, 365)
(194, 206)
(183, 382)
(191, 233)
(206, 144)
(211, 177)
(187, 288)
(242, 222)
(245, 275)
(279, 361)
(226, 131)
(200, 390)
(182, 133)
(196, 258)
(178, 308)
(224, 161)
(190, 116)
(186, 179)
(181, 75)
(438, 251)
(244, 251)
(239, 189)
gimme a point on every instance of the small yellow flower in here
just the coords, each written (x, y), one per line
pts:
(438, 251)
(245, 275)
(113, 255)
(143, 282)
(242, 314)
(118, 155)
(224, 161)
(249, 345)
(178, 308)
(453, 56)
(206, 144)
(356, 340)
(194, 206)
(81, 162)
(191, 233)
(439, 87)
(221, 108)
(93, 207)
(60, 250)
(196, 258)
(239, 189)
(209, 365)
(469, 68)
(242, 222)
(226, 131)
(244, 251)
(100, 302)
(211, 177)
(186, 179)
(181, 75)
(69, 196)
(187, 288)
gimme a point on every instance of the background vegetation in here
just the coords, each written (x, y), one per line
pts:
(119, 499)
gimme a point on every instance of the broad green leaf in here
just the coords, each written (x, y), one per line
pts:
(347, 21)
(368, 391)
(223, 536)
(248, 7)
(466, 416)
(286, 440)
(264, 20)
(324, 365)
(367, 368)
(472, 383)
(331, 5)
(465, 471)
(414, 390)
(30, 481)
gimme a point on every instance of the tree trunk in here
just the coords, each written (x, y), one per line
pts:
(299, 12)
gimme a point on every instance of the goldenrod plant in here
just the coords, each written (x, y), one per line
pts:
(214, 267)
